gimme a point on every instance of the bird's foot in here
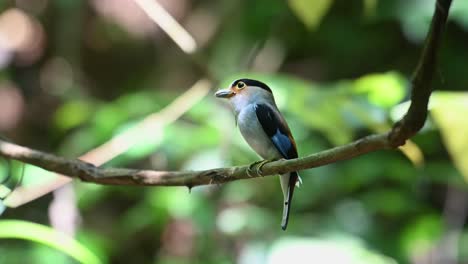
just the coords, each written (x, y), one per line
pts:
(251, 166)
(258, 164)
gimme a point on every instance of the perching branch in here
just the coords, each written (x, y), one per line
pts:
(403, 130)
(118, 176)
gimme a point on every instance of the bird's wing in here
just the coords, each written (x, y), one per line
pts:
(277, 130)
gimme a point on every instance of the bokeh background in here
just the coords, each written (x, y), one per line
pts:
(101, 80)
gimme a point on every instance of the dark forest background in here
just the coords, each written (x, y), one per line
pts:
(81, 75)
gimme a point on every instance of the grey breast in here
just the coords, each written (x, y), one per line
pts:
(253, 133)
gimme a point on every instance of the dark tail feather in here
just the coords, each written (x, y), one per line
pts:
(287, 203)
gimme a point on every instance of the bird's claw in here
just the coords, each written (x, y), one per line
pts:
(250, 168)
(258, 164)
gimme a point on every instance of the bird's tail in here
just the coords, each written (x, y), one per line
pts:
(288, 182)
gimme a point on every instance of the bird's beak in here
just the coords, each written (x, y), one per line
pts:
(226, 93)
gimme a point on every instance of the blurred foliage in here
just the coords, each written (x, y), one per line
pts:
(14, 229)
(449, 111)
(310, 12)
(76, 74)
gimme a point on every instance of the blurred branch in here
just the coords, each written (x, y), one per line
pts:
(403, 130)
(182, 38)
(168, 24)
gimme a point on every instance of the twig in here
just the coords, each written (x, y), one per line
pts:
(168, 24)
(181, 37)
(403, 130)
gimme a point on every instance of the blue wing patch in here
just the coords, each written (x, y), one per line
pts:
(276, 130)
(282, 143)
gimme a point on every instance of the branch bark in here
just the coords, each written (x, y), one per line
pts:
(421, 82)
(120, 176)
(409, 125)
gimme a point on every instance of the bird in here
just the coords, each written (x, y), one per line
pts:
(265, 130)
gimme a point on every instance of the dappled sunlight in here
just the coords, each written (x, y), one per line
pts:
(21, 35)
(343, 250)
(131, 83)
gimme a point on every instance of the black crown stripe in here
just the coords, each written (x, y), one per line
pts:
(251, 82)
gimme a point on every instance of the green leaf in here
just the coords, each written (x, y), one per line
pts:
(310, 12)
(421, 235)
(370, 7)
(16, 229)
(382, 89)
(449, 113)
(72, 114)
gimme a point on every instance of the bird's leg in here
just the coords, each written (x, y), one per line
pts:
(251, 166)
(259, 164)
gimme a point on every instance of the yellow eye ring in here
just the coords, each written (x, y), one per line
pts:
(240, 85)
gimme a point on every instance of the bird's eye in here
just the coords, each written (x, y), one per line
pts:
(240, 85)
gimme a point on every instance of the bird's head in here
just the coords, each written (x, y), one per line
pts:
(246, 91)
